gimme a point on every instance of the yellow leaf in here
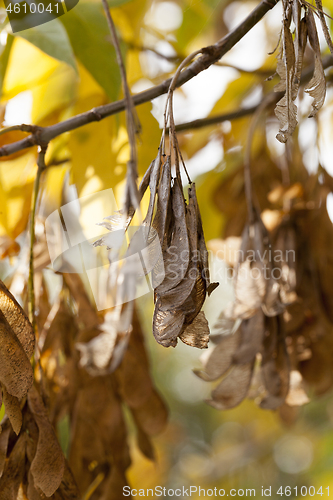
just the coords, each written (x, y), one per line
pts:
(27, 67)
(16, 184)
(54, 93)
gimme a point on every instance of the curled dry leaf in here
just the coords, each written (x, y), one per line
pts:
(290, 61)
(47, 467)
(324, 26)
(316, 88)
(286, 109)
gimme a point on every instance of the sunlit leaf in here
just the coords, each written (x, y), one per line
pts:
(88, 32)
(52, 39)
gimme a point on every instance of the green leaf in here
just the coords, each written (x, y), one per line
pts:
(91, 40)
(52, 39)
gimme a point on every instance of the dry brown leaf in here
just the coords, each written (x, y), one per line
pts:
(13, 410)
(135, 383)
(275, 367)
(196, 334)
(324, 26)
(299, 43)
(316, 88)
(202, 249)
(99, 431)
(86, 313)
(176, 296)
(47, 467)
(14, 470)
(252, 334)
(163, 213)
(17, 319)
(153, 185)
(167, 324)
(15, 369)
(233, 388)
(152, 415)
(4, 437)
(220, 359)
(286, 109)
(176, 256)
(145, 445)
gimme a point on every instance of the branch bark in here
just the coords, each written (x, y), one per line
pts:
(211, 55)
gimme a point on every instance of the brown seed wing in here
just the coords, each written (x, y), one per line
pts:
(13, 410)
(47, 467)
(221, 357)
(15, 369)
(176, 256)
(233, 388)
(17, 319)
(167, 324)
(197, 333)
(252, 334)
(14, 470)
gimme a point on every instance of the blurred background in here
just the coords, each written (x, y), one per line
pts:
(63, 68)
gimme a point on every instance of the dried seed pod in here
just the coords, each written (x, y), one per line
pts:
(180, 296)
(290, 61)
(255, 285)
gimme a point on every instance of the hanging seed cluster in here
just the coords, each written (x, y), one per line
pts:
(290, 62)
(252, 325)
(274, 342)
(179, 296)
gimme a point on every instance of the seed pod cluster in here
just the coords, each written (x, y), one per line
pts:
(251, 326)
(290, 62)
(181, 276)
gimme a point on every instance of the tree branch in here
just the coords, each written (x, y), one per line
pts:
(240, 113)
(211, 55)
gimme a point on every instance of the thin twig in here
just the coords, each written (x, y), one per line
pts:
(259, 72)
(215, 119)
(212, 54)
(171, 59)
(269, 99)
(31, 290)
(23, 128)
(132, 122)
